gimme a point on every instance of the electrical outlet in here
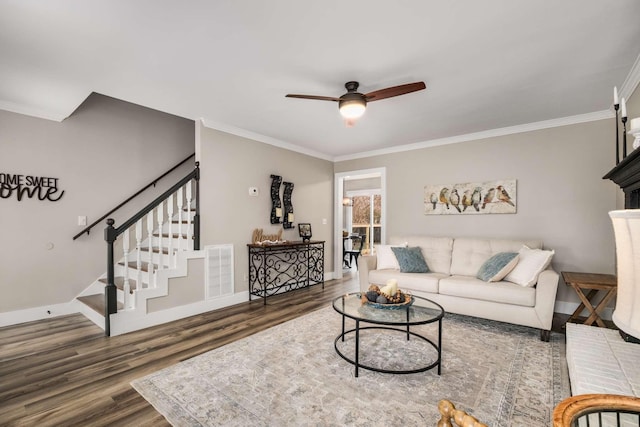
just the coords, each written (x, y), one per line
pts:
(324, 221)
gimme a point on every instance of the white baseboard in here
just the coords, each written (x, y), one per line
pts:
(35, 313)
(569, 307)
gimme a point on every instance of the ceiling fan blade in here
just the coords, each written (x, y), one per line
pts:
(389, 92)
(318, 98)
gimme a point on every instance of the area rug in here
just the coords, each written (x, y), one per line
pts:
(291, 375)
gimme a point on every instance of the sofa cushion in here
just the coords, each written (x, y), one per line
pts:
(435, 250)
(530, 264)
(410, 260)
(501, 292)
(386, 257)
(424, 282)
(495, 268)
(468, 254)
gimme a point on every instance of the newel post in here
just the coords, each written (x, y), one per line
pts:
(110, 291)
(196, 218)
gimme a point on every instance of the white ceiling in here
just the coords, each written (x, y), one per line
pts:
(488, 64)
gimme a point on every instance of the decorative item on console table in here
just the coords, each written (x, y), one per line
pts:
(623, 118)
(276, 209)
(287, 220)
(304, 229)
(259, 237)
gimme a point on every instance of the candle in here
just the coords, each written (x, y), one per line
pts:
(624, 108)
(615, 95)
(634, 124)
(278, 212)
(290, 218)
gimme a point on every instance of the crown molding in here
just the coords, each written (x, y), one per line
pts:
(631, 82)
(262, 138)
(529, 127)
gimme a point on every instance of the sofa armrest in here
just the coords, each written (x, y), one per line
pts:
(366, 263)
(546, 290)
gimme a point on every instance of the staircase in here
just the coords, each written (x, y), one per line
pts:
(159, 243)
(158, 240)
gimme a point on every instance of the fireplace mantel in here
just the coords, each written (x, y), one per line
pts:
(627, 175)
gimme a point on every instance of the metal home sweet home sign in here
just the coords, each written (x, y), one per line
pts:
(40, 187)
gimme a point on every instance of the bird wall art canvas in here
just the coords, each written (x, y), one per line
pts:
(472, 198)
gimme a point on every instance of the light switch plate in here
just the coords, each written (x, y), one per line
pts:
(82, 220)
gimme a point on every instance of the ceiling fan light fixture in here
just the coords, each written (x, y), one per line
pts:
(352, 108)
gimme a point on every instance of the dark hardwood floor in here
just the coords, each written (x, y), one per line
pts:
(64, 371)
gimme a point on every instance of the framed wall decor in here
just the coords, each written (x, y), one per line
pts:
(305, 231)
(472, 198)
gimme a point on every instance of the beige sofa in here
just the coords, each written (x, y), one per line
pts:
(452, 282)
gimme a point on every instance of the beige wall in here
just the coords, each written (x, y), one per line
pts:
(101, 154)
(182, 290)
(562, 198)
(230, 165)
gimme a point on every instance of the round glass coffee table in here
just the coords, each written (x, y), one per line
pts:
(421, 312)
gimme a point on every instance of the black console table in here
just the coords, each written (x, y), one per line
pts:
(282, 267)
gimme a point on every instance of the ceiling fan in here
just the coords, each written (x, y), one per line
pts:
(353, 103)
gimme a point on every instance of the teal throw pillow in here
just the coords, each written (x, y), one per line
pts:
(498, 266)
(410, 260)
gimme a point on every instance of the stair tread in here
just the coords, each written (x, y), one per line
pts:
(175, 235)
(119, 282)
(155, 250)
(96, 302)
(144, 266)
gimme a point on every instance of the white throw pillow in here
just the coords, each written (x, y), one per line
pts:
(531, 262)
(386, 258)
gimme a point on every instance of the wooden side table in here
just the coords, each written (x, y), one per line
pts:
(593, 283)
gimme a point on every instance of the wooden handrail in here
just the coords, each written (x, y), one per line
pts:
(152, 183)
(570, 409)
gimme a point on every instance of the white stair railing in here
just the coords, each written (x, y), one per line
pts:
(150, 248)
(185, 187)
(171, 261)
(180, 206)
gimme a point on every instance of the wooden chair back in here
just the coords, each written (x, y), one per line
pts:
(597, 410)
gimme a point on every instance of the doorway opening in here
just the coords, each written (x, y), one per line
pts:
(359, 215)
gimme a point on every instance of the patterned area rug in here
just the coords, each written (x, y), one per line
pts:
(291, 375)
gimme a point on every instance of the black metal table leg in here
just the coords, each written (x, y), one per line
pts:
(357, 346)
(439, 345)
(408, 333)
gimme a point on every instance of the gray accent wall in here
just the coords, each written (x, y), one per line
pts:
(231, 164)
(562, 198)
(104, 152)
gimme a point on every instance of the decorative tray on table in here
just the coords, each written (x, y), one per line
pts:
(387, 298)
